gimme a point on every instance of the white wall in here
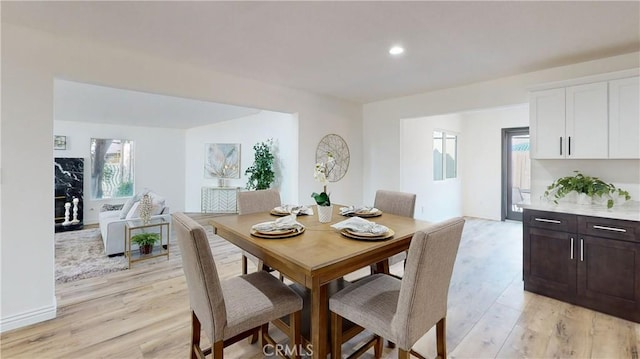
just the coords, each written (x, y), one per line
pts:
(170, 161)
(159, 155)
(247, 131)
(381, 119)
(435, 200)
(32, 59)
(477, 191)
(481, 158)
(624, 174)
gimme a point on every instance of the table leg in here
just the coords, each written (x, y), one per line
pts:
(319, 322)
(382, 267)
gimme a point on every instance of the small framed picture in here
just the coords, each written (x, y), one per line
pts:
(59, 142)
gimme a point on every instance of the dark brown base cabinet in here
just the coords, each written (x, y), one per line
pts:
(588, 261)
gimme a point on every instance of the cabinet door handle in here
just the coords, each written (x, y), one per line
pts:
(554, 221)
(560, 145)
(571, 248)
(581, 249)
(613, 229)
(569, 146)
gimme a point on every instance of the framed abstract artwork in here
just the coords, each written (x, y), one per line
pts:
(222, 160)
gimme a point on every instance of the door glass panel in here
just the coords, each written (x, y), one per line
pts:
(519, 172)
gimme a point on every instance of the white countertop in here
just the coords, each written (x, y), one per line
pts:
(628, 211)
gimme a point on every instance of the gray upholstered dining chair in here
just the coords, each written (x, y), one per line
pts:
(400, 204)
(403, 310)
(252, 202)
(235, 308)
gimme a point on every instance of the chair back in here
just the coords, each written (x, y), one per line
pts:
(205, 291)
(398, 203)
(258, 201)
(425, 284)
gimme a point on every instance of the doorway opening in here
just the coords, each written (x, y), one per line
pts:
(516, 171)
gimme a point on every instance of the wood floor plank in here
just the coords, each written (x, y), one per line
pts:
(542, 315)
(633, 350)
(524, 343)
(614, 337)
(515, 296)
(143, 312)
(466, 308)
(571, 339)
(489, 333)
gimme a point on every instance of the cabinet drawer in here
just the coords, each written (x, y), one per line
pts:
(609, 228)
(550, 220)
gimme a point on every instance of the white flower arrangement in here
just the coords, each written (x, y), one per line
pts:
(321, 174)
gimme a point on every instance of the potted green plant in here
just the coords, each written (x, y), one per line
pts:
(587, 187)
(145, 241)
(261, 173)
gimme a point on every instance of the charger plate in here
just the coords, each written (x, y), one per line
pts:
(378, 213)
(367, 236)
(277, 234)
(278, 213)
(282, 214)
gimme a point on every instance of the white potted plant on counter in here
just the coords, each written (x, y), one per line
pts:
(586, 190)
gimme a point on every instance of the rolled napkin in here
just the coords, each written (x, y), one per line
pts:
(294, 209)
(357, 224)
(345, 211)
(280, 224)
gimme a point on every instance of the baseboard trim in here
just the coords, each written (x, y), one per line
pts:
(27, 318)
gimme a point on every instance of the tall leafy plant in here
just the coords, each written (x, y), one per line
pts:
(261, 173)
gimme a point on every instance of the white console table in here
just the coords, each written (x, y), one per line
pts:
(219, 199)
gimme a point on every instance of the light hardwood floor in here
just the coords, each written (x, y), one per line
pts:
(144, 312)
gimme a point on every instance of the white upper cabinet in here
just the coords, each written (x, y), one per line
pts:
(624, 118)
(588, 118)
(587, 121)
(547, 123)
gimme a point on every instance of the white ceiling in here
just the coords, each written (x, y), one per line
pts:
(74, 101)
(339, 48)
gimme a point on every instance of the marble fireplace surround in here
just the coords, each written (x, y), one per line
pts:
(69, 176)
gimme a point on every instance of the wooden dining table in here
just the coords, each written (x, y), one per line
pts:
(317, 256)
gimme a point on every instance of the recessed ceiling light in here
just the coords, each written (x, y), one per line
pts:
(396, 50)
